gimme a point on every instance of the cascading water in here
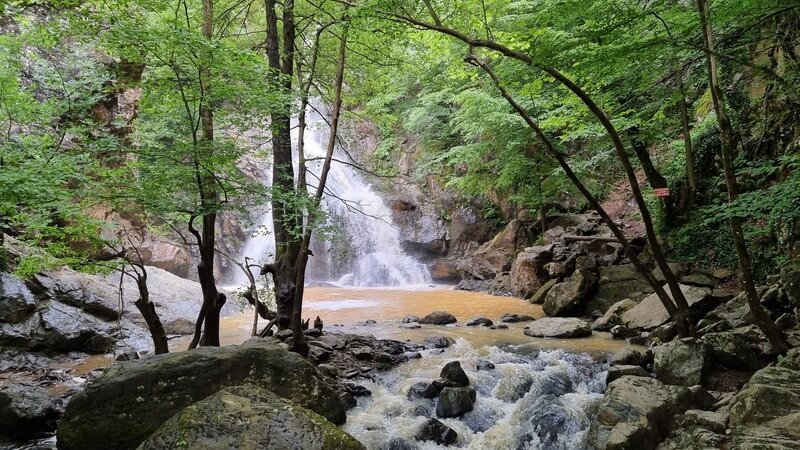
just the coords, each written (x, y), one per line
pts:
(364, 248)
(538, 401)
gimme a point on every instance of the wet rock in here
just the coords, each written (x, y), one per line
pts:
(362, 353)
(438, 318)
(410, 325)
(528, 272)
(422, 411)
(701, 279)
(613, 316)
(684, 362)
(422, 390)
(623, 332)
(620, 371)
(764, 414)
(473, 285)
(539, 296)
(436, 341)
(732, 351)
(569, 297)
(27, 411)
(617, 283)
(433, 430)
(356, 390)
(16, 301)
(499, 326)
(90, 294)
(397, 444)
(650, 313)
(483, 365)
(128, 356)
(410, 319)
(452, 371)
(515, 318)
(318, 354)
(559, 327)
(132, 399)
(445, 272)
(455, 401)
(480, 322)
(664, 333)
(636, 412)
(248, 416)
(632, 356)
(676, 268)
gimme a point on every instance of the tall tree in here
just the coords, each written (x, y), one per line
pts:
(728, 145)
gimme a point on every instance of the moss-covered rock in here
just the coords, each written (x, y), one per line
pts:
(132, 399)
(249, 417)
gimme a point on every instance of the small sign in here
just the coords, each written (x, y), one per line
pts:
(662, 192)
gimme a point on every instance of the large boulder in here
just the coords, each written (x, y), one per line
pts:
(683, 362)
(616, 283)
(444, 272)
(58, 327)
(249, 417)
(636, 412)
(455, 401)
(453, 372)
(26, 411)
(568, 297)
(558, 327)
(615, 372)
(433, 430)
(613, 316)
(91, 294)
(540, 295)
(651, 313)
(438, 318)
(732, 350)
(528, 272)
(766, 412)
(133, 399)
(16, 301)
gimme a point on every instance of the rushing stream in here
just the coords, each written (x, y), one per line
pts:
(539, 395)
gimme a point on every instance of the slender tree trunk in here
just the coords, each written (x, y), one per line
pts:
(213, 300)
(681, 319)
(728, 144)
(654, 177)
(286, 218)
(298, 338)
(691, 181)
(148, 311)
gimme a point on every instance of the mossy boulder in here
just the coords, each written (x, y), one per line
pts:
(249, 417)
(131, 400)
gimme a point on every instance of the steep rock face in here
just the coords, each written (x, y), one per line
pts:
(245, 417)
(16, 300)
(766, 412)
(528, 272)
(494, 256)
(133, 399)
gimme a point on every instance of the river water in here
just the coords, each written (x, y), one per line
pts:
(540, 395)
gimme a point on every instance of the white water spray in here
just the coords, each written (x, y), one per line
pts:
(364, 249)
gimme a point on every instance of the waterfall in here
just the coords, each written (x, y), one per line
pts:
(360, 246)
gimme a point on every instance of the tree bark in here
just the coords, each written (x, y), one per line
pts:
(148, 311)
(286, 219)
(691, 181)
(728, 144)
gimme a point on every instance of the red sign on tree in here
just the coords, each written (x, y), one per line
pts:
(662, 192)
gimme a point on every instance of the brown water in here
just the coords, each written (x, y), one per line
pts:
(343, 309)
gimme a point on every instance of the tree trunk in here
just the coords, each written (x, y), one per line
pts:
(728, 144)
(286, 218)
(691, 181)
(213, 300)
(298, 338)
(654, 177)
(148, 311)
